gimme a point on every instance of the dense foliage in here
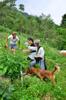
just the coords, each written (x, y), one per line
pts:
(30, 87)
(43, 26)
(12, 85)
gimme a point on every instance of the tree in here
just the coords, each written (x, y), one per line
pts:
(21, 7)
(10, 3)
(63, 22)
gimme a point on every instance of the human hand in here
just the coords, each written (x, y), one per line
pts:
(6, 46)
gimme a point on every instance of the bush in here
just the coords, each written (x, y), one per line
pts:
(12, 64)
(3, 29)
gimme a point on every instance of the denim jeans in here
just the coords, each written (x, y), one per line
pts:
(40, 62)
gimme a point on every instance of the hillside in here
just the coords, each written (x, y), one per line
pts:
(31, 87)
(40, 27)
(52, 39)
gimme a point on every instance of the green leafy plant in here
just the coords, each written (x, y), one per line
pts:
(13, 64)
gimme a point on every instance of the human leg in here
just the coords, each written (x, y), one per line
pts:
(41, 63)
(13, 48)
(32, 63)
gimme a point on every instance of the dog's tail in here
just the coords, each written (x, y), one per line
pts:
(57, 68)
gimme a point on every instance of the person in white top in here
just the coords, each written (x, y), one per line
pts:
(13, 39)
(31, 48)
(39, 58)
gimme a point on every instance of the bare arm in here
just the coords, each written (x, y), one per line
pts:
(26, 51)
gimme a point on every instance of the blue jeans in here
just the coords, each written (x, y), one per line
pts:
(40, 62)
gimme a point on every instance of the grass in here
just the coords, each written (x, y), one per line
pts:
(31, 87)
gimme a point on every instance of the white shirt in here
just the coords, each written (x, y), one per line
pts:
(41, 52)
(13, 41)
(32, 54)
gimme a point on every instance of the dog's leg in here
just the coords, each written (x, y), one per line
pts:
(39, 75)
(53, 80)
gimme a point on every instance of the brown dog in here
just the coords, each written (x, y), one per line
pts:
(41, 73)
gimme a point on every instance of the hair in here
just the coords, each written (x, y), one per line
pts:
(31, 39)
(37, 44)
(13, 32)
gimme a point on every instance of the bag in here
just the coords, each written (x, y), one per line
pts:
(38, 59)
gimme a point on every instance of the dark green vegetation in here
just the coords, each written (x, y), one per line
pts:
(52, 38)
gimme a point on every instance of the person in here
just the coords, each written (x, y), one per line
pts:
(13, 41)
(31, 48)
(39, 57)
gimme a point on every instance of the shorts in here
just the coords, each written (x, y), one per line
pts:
(13, 46)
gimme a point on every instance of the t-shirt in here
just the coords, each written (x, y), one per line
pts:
(13, 41)
(33, 50)
(41, 52)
